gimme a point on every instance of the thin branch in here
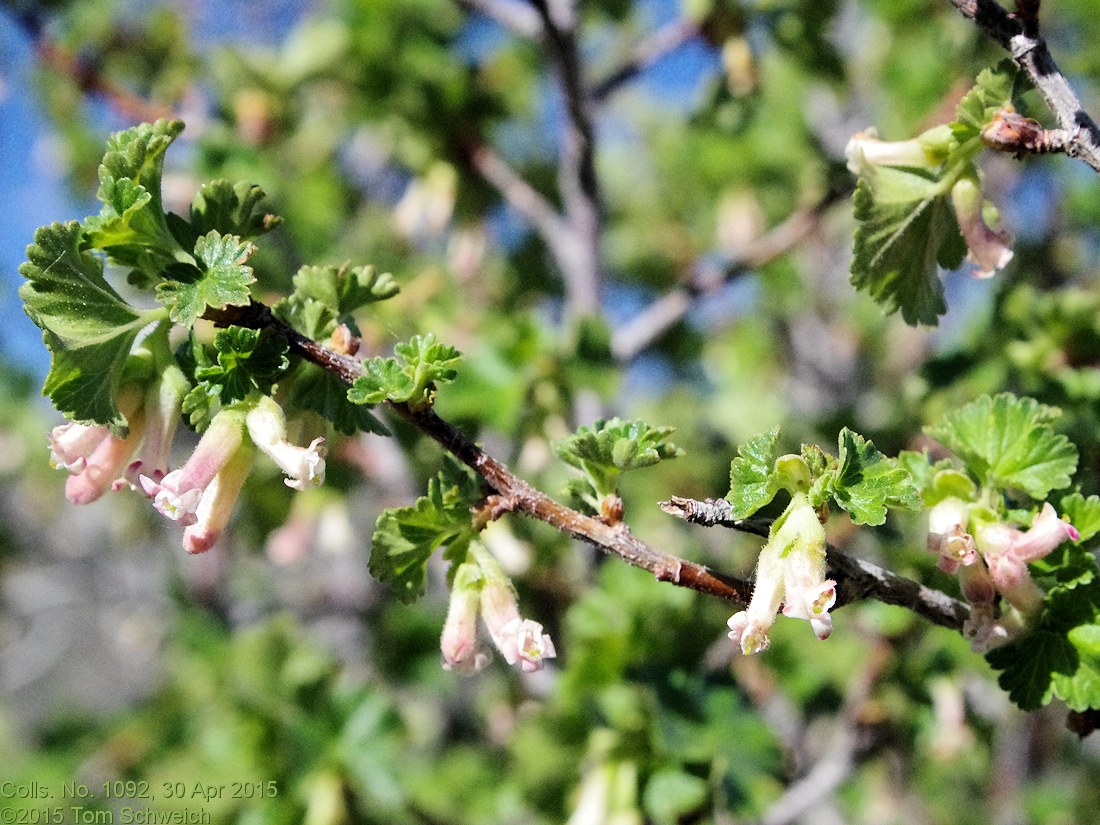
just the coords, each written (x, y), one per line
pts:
(89, 80)
(1019, 35)
(665, 40)
(580, 190)
(518, 18)
(616, 540)
(841, 754)
(856, 579)
(521, 196)
(655, 320)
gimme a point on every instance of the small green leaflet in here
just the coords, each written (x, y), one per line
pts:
(409, 378)
(994, 89)
(906, 227)
(1007, 442)
(86, 325)
(248, 359)
(131, 226)
(221, 279)
(231, 209)
(405, 537)
(324, 296)
(1083, 513)
(751, 482)
(607, 449)
(866, 482)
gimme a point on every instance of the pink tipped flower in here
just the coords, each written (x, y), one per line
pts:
(988, 248)
(520, 641)
(103, 467)
(791, 574)
(217, 502)
(461, 648)
(72, 443)
(1047, 532)
(303, 466)
(177, 495)
(947, 536)
(162, 405)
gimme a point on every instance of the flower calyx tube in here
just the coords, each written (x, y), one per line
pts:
(480, 584)
(790, 576)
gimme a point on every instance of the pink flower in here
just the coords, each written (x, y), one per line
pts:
(988, 248)
(303, 466)
(162, 417)
(517, 639)
(103, 467)
(177, 495)
(72, 443)
(461, 648)
(947, 534)
(217, 502)
(1008, 551)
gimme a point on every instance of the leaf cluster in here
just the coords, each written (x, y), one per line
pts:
(410, 377)
(860, 479)
(405, 537)
(609, 448)
(192, 266)
(906, 224)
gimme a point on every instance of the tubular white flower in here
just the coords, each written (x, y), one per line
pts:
(925, 151)
(461, 648)
(791, 574)
(303, 466)
(520, 641)
(162, 404)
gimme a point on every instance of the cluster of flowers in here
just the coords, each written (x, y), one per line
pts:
(791, 574)
(481, 586)
(991, 558)
(200, 495)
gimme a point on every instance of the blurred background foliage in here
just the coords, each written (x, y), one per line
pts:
(275, 657)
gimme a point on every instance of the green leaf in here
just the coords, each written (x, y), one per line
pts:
(1083, 513)
(994, 89)
(906, 226)
(324, 296)
(86, 325)
(247, 360)
(320, 391)
(409, 378)
(1007, 442)
(405, 537)
(866, 482)
(751, 474)
(131, 226)
(231, 209)
(1031, 664)
(221, 279)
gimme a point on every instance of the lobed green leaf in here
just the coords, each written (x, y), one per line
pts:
(87, 327)
(752, 484)
(405, 537)
(221, 279)
(866, 483)
(411, 377)
(906, 227)
(1007, 442)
